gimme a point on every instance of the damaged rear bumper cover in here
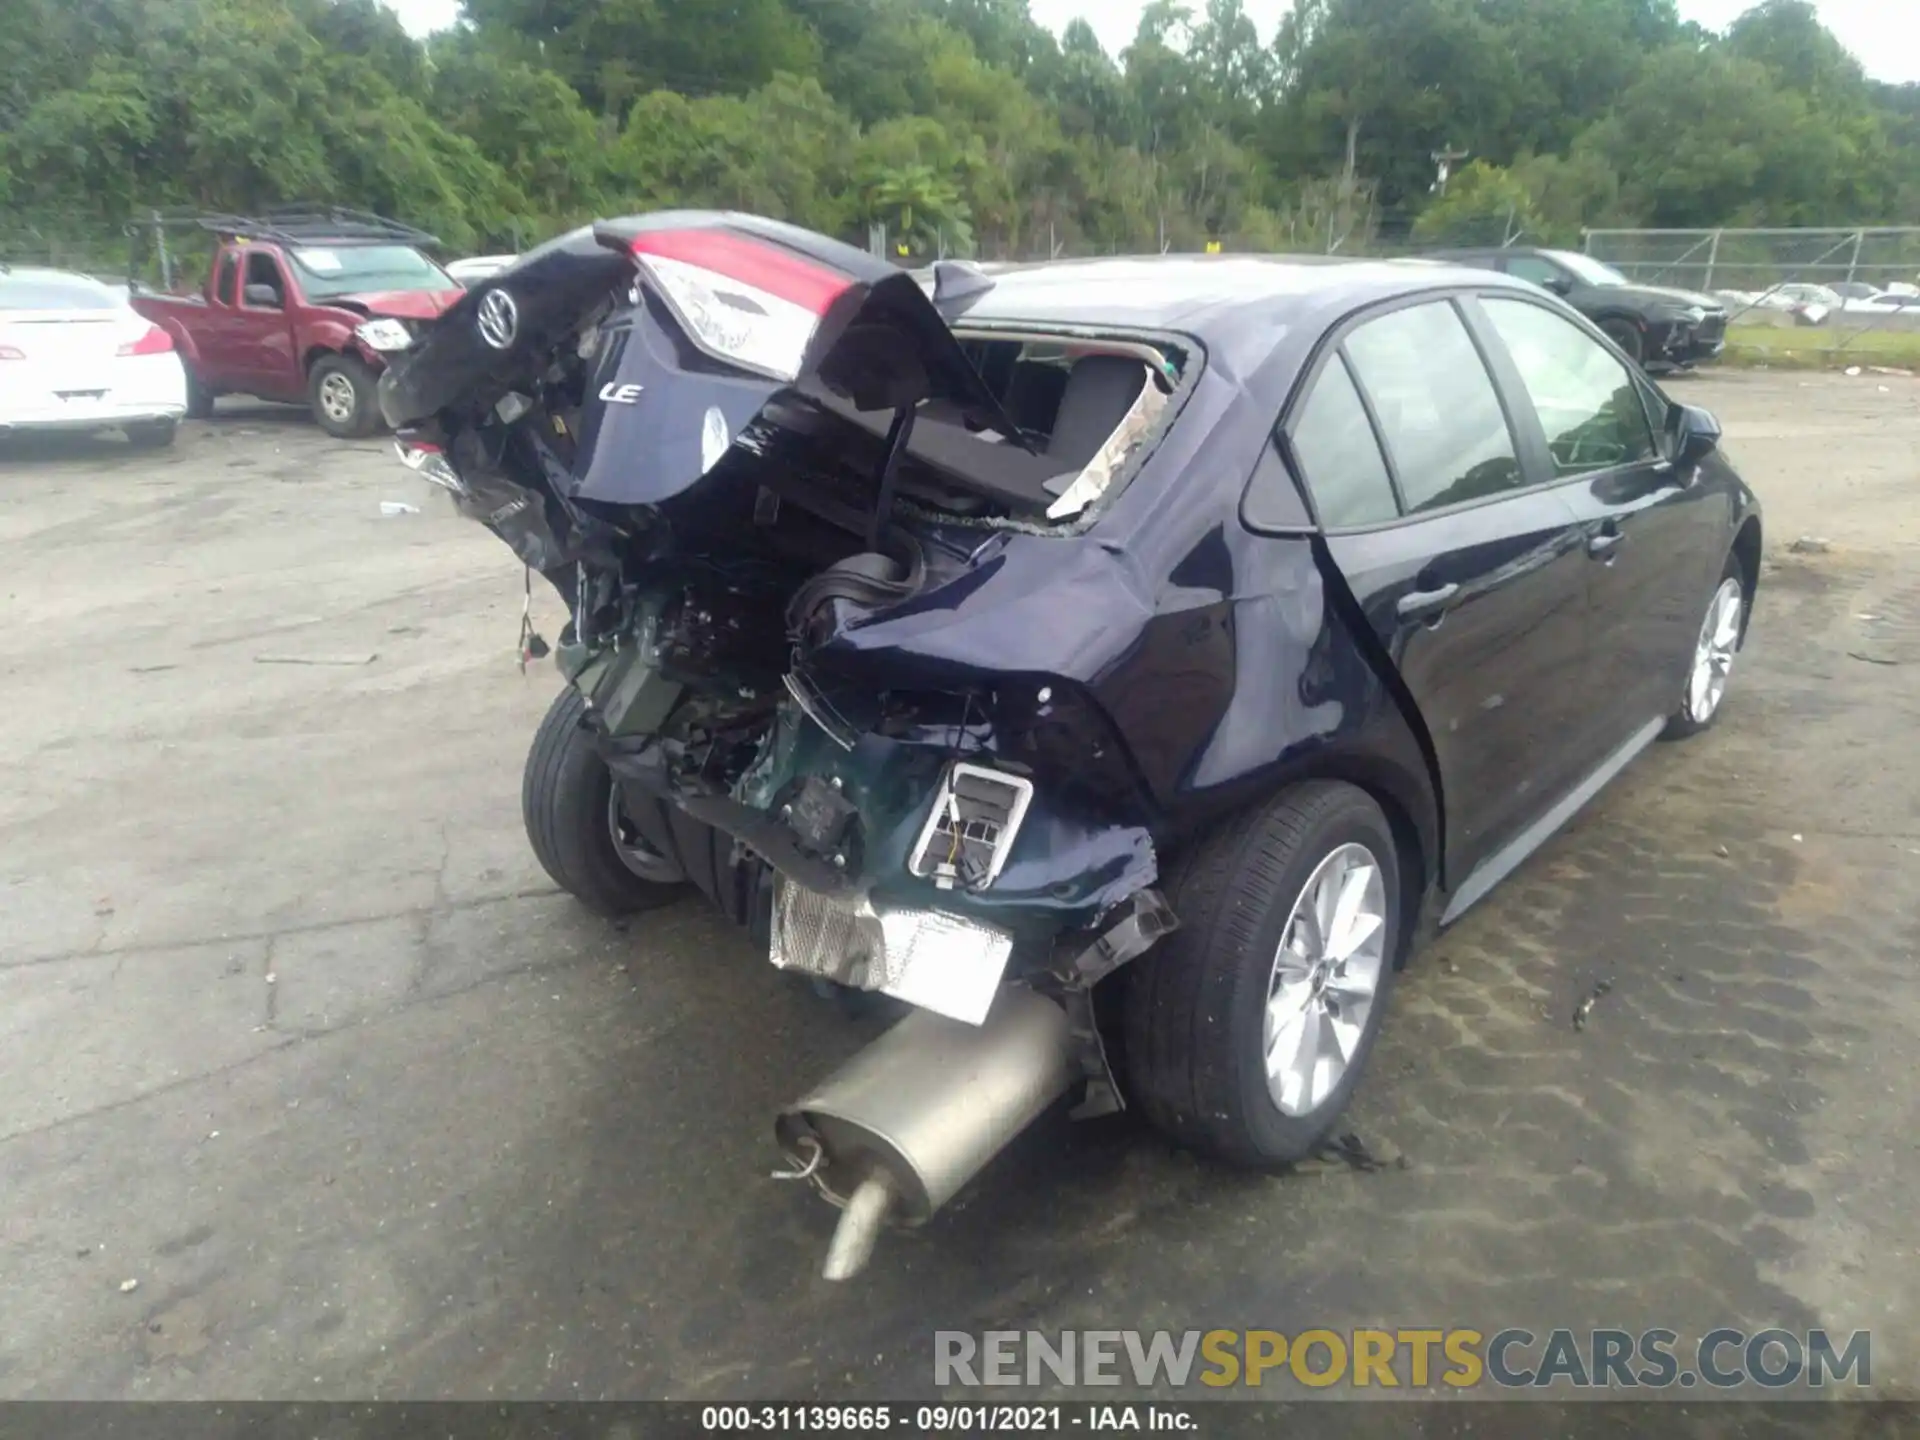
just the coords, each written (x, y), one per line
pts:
(891, 868)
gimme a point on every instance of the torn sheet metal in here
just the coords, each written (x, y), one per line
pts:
(937, 961)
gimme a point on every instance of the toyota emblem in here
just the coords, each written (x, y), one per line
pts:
(499, 319)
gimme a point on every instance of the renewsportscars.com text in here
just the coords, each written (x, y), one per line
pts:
(1413, 1359)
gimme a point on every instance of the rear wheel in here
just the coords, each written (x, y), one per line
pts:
(1248, 1028)
(343, 396)
(150, 434)
(1626, 335)
(578, 826)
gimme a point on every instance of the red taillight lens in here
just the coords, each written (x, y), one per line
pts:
(7, 352)
(746, 302)
(155, 342)
(752, 263)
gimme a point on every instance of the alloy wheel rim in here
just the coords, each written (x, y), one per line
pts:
(337, 398)
(635, 853)
(1325, 980)
(1714, 654)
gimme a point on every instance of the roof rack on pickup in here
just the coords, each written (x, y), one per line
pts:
(295, 225)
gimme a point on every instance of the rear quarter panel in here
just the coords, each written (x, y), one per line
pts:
(1223, 659)
(176, 315)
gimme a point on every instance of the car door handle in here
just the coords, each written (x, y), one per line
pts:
(1426, 604)
(1601, 547)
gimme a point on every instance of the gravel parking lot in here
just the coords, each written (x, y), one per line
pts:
(295, 1034)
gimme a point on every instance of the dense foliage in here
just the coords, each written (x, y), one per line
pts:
(953, 122)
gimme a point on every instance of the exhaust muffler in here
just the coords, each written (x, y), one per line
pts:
(895, 1132)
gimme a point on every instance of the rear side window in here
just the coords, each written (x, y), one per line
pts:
(224, 289)
(1440, 415)
(1339, 458)
(1586, 399)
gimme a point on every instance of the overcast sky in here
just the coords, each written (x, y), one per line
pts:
(1885, 34)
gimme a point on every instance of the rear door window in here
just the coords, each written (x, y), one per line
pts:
(225, 285)
(1338, 455)
(1586, 399)
(1446, 435)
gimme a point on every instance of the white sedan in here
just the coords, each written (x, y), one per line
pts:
(75, 356)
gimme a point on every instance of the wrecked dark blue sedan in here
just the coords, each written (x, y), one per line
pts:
(1122, 663)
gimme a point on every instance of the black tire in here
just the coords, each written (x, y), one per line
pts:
(344, 397)
(1685, 722)
(1626, 335)
(565, 796)
(151, 434)
(1196, 1006)
(199, 398)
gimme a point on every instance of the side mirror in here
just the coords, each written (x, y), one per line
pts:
(1560, 286)
(1693, 434)
(264, 296)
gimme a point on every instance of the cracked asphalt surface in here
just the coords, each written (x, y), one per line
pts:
(295, 1034)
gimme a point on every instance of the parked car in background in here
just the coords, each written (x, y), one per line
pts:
(75, 356)
(1808, 303)
(304, 308)
(1661, 328)
(479, 267)
(1862, 299)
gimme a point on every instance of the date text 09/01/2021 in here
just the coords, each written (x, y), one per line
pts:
(942, 1419)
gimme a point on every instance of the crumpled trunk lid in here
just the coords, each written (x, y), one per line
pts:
(664, 402)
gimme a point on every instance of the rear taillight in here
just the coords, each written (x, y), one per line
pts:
(7, 352)
(155, 342)
(743, 301)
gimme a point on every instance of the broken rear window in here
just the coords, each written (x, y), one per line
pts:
(1083, 408)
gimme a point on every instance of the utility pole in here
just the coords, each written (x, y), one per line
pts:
(1443, 167)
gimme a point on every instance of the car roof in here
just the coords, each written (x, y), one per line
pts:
(48, 276)
(332, 242)
(1206, 295)
(42, 272)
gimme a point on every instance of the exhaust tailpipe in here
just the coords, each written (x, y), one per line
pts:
(898, 1129)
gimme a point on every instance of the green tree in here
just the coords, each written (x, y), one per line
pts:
(1485, 204)
(1709, 139)
(920, 207)
(955, 120)
(1787, 37)
(614, 50)
(526, 121)
(1376, 86)
(783, 151)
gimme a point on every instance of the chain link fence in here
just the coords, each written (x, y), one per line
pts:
(1843, 292)
(65, 242)
(1853, 289)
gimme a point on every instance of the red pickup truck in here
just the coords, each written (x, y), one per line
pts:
(303, 308)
